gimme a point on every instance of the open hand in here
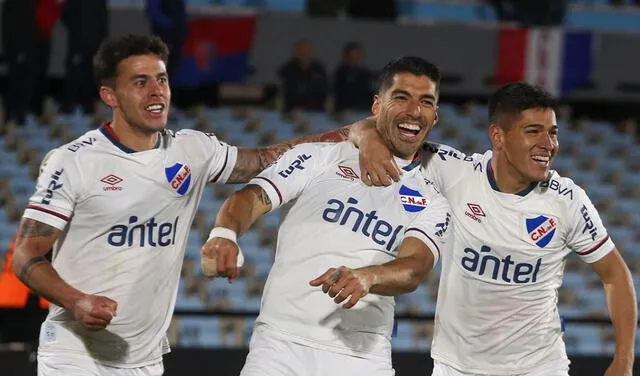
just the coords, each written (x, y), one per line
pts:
(343, 282)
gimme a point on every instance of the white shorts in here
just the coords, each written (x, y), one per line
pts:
(269, 355)
(440, 369)
(83, 365)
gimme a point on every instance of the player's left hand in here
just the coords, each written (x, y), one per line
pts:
(618, 369)
(377, 166)
(343, 282)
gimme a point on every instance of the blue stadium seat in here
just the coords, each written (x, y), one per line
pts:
(403, 339)
(183, 301)
(199, 332)
(584, 339)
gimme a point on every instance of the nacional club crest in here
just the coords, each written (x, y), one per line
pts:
(541, 230)
(179, 177)
(412, 201)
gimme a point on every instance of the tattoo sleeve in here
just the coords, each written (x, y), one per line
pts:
(260, 193)
(30, 228)
(24, 272)
(251, 162)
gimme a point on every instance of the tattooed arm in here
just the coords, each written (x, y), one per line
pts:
(218, 256)
(243, 208)
(251, 161)
(35, 239)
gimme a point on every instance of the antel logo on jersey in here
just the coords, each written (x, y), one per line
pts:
(112, 181)
(486, 262)
(347, 173)
(143, 234)
(412, 201)
(179, 177)
(541, 230)
(368, 224)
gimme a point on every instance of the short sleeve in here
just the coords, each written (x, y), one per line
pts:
(220, 157)
(432, 226)
(285, 180)
(57, 190)
(586, 234)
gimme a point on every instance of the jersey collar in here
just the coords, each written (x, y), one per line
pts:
(108, 132)
(415, 162)
(494, 185)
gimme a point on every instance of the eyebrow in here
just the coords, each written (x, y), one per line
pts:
(535, 125)
(400, 91)
(146, 76)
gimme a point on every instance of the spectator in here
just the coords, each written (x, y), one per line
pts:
(304, 80)
(20, 45)
(87, 26)
(352, 81)
(169, 21)
(47, 15)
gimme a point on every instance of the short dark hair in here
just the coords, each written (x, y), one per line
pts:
(113, 51)
(408, 64)
(513, 98)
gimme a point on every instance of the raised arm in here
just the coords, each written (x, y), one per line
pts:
(251, 161)
(621, 301)
(396, 277)
(34, 240)
(377, 165)
(219, 255)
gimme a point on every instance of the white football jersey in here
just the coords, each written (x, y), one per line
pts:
(497, 302)
(337, 220)
(125, 218)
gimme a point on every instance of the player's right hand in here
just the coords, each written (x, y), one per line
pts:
(219, 258)
(94, 312)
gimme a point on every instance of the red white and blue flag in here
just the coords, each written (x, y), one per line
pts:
(555, 59)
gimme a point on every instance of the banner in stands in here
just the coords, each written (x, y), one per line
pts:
(216, 50)
(554, 58)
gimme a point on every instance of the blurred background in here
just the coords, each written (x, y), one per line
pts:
(260, 71)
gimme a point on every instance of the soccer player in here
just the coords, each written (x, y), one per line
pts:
(515, 222)
(116, 205)
(361, 244)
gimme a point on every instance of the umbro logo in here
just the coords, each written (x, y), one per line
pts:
(347, 173)
(474, 212)
(112, 182)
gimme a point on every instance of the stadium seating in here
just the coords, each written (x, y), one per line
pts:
(461, 127)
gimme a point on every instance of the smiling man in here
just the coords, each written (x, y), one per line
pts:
(360, 245)
(116, 205)
(515, 223)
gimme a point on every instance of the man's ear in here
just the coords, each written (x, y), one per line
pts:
(375, 107)
(435, 120)
(108, 96)
(496, 135)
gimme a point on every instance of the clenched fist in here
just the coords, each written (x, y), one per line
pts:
(94, 312)
(221, 257)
